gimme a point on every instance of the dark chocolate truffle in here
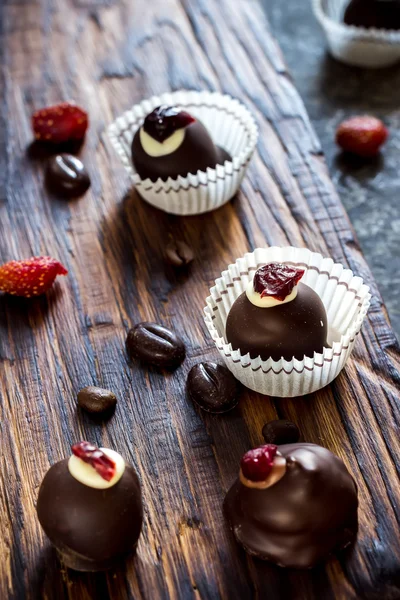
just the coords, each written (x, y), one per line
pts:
(93, 529)
(310, 512)
(294, 328)
(379, 14)
(170, 143)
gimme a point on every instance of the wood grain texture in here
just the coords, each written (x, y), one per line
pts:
(107, 55)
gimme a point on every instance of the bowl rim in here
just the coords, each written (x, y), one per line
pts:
(360, 34)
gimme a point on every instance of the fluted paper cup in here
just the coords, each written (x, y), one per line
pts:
(358, 46)
(230, 125)
(346, 299)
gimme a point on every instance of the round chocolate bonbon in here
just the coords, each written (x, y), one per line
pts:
(265, 323)
(172, 143)
(280, 431)
(300, 516)
(94, 399)
(66, 175)
(156, 345)
(93, 528)
(212, 387)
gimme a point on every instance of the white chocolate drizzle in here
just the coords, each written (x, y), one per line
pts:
(156, 149)
(86, 474)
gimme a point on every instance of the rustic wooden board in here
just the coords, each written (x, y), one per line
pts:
(107, 55)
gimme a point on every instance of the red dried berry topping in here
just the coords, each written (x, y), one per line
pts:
(95, 457)
(164, 121)
(31, 277)
(60, 123)
(361, 135)
(276, 280)
(257, 464)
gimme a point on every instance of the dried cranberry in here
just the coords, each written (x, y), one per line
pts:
(276, 280)
(95, 457)
(257, 464)
(164, 121)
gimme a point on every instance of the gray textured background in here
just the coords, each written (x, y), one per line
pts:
(370, 190)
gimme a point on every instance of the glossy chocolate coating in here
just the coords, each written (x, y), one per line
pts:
(289, 330)
(304, 517)
(280, 431)
(66, 175)
(196, 153)
(94, 399)
(92, 529)
(380, 14)
(156, 345)
(212, 387)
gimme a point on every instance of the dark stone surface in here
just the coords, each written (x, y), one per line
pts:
(370, 190)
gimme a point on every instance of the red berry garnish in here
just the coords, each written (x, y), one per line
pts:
(257, 464)
(31, 277)
(164, 121)
(361, 135)
(96, 458)
(276, 280)
(60, 123)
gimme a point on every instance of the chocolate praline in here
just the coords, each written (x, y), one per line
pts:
(195, 152)
(93, 529)
(295, 329)
(304, 517)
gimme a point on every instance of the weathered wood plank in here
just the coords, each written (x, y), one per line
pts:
(106, 56)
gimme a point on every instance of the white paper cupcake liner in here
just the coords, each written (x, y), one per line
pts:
(356, 46)
(230, 125)
(346, 300)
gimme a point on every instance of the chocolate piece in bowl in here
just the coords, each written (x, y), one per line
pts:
(90, 506)
(155, 345)
(277, 316)
(212, 387)
(293, 505)
(376, 14)
(171, 142)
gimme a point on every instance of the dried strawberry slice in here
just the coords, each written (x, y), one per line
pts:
(276, 280)
(60, 123)
(257, 464)
(95, 457)
(31, 277)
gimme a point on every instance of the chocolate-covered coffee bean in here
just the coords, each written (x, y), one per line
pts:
(212, 387)
(280, 431)
(156, 345)
(66, 175)
(178, 253)
(94, 399)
